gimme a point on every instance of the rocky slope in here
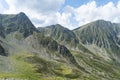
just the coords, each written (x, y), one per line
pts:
(13, 23)
(90, 52)
(60, 34)
(102, 34)
(98, 42)
(21, 44)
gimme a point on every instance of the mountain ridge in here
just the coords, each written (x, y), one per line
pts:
(60, 34)
(90, 52)
(25, 45)
(19, 22)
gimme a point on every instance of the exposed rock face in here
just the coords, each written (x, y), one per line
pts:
(102, 33)
(2, 51)
(99, 32)
(13, 23)
(60, 34)
(39, 41)
(90, 52)
(2, 31)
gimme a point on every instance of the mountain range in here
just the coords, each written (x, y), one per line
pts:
(90, 52)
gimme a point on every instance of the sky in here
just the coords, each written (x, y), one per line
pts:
(68, 13)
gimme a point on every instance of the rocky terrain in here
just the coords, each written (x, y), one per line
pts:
(90, 52)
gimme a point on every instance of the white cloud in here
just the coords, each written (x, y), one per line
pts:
(41, 12)
(90, 12)
(47, 12)
(1, 7)
(41, 6)
(63, 19)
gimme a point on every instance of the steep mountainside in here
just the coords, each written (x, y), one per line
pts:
(60, 34)
(90, 52)
(97, 47)
(103, 34)
(13, 23)
(39, 42)
(18, 27)
(21, 44)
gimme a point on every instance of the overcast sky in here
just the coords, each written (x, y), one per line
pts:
(68, 13)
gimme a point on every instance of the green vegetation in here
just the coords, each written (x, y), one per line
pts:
(102, 33)
(60, 34)
(90, 52)
(22, 69)
(98, 67)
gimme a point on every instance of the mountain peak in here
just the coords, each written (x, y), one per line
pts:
(55, 26)
(99, 32)
(60, 34)
(58, 25)
(96, 24)
(17, 22)
(22, 13)
(102, 22)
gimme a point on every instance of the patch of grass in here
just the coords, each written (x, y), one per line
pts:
(23, 70)
(68, 72)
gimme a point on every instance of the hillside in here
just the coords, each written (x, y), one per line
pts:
(98, 42)
(21, 44)
(60, 34)
(12, 23)
(90, 52)
(103, 34)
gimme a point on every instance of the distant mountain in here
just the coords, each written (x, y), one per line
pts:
(13, 23)
(99, 32)
(102, 33)
(60, 34)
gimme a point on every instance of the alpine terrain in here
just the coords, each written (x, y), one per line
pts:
(90, 52)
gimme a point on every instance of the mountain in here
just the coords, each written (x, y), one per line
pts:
(97, 46)
(103, 34)
(100, 33)
(19, 26)
(21, 44)
(90, 52)
(12, 23)
(60, 34)
(39, 41)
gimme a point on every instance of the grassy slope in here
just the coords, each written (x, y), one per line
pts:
(24, 65)
(97, 66)
(34, 68)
